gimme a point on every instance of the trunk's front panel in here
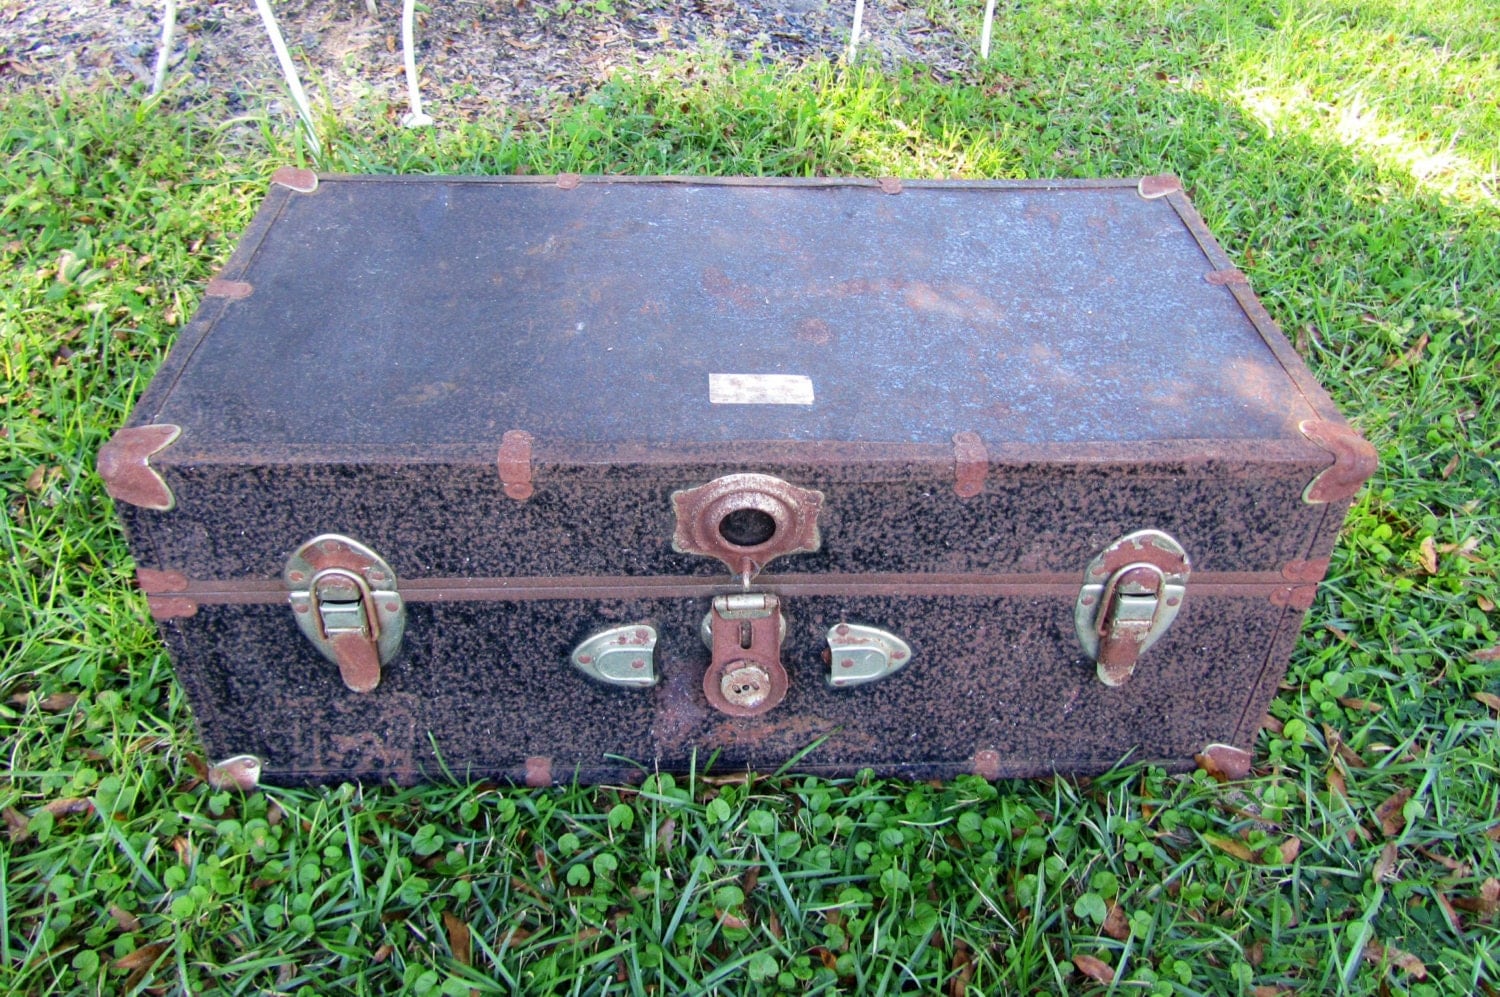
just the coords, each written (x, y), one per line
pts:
(481, 689)
(455, 521)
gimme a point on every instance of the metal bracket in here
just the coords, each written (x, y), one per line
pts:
(344, 598)
(746, 520)
(745, 677)
(859, 654)
(1131, 593)
(623, 656)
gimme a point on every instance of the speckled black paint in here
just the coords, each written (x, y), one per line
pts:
(480, 688)
(452, 521)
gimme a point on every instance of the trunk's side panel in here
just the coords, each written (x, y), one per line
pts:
(485, 688)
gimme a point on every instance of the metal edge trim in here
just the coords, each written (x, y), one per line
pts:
(1313, 393)
(255, 591)
(551, 180)
(1252, 455)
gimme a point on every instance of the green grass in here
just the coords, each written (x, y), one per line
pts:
(1348, 157)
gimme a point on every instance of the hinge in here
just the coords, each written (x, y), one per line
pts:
(1131, 593)
(344, 598)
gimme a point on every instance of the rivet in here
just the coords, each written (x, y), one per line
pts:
(842, 630)
(899, 656)
(300, 608)
(585, 659)
(393, 607)
(295, 576)
(637, 663)
(846, 663)
(1174, 601)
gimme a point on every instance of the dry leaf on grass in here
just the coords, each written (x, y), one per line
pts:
(1290, 849)
(1385, 866)
(142, 958)
(1094, 969)
(1486, 905)
(1427, 554)
(1116, 924)
(1488, 699)
(963, 970)
(1392, 956)
(126, 920)
(1389, 814)
(1350, 703)
(17, 826)
(1231, 846)
(1450, 467)
(1485, 654)
(460, 942)
(1452, 915)
(67, 806)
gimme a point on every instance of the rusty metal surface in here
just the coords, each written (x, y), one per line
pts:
(1012, 311)
(1354, 460)
(774, 519)
(514, 464)
(124, 465)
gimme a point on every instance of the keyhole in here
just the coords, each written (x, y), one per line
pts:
(745, 633)
(747, 527)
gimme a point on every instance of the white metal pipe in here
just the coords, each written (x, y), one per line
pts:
(408, 51)
(859, 20)
(168, 26)
(288, 70)
(989, 25)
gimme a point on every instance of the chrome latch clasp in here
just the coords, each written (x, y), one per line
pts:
(859, 654)
(621, 656)
(744, 631)
(1131, 593)
(345, 600)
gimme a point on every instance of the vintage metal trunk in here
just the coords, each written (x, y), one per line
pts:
(545, 478)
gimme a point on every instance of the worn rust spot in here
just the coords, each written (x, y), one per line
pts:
(514, 462)
(300, 180)
(971, 463)
(124, 464)
(152, 581)
(1299, 597)
(1354, 461)
(719, 285)
(1306, 571)
(234, 290)
(170, 608)
(538, 771)
(1223, 278)
(814, 331)
(1159, 185)
(986, 764)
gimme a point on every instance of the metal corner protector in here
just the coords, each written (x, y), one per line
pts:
(124, 465)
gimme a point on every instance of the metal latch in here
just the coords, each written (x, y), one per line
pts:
(344, 598)
(624, 656)
(1131, 593)
(859, 654)
(744, 632)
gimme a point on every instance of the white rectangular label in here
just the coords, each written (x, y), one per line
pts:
(760, 389)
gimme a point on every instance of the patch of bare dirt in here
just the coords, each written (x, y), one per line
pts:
(476, 57)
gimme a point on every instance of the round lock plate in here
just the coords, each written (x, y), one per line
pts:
(745, 688)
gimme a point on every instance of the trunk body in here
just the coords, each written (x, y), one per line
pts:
(924, 408)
